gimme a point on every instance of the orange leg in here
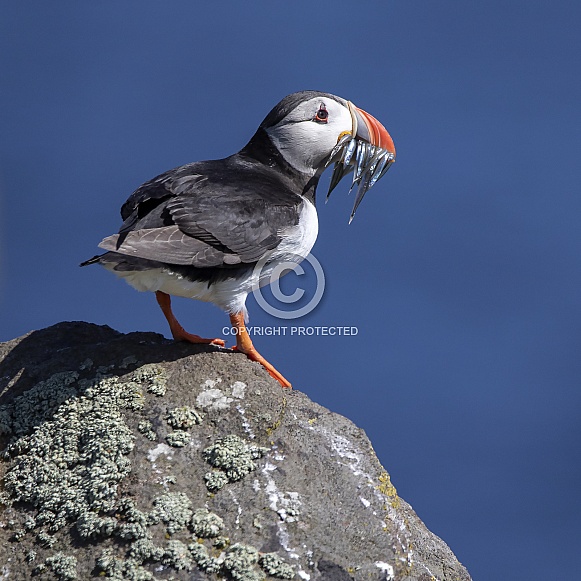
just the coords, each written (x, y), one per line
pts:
(244, 345)
(176, 329)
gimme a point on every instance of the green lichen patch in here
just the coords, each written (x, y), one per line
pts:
(174, 554)
(177, 555)
(18, 535)
(38, 404)
(275, 566)
(5, 421)
(63, 566)
(239, 563)
(154, 376)
(133, 523)
(234, 457)
(215, 481)
(45, 540)
(183, 418)
(203, 560)
(145, 550)
(73, 463)
(206, 524)
(118, 569)
(220, 542)
(178, 439)
(91, 526)
(145, 427)
(174, 509)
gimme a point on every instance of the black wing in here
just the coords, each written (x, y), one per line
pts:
(207, 214)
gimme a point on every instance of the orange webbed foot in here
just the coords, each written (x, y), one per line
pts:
(177, 331)
(181, 335)
(244, 345)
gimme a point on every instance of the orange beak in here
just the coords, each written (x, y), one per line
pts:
(368, 128)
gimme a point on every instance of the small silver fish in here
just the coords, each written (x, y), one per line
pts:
(369, 163)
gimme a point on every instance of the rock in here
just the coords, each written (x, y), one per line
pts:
(133, 457)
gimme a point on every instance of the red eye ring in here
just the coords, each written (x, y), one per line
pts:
(322, 114)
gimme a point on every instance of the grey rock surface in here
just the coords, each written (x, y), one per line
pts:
(133, 457)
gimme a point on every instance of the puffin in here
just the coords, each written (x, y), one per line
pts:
(216, 230)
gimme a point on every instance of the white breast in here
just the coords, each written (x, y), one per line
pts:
(297, 241)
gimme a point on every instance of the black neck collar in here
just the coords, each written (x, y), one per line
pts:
(261, 149)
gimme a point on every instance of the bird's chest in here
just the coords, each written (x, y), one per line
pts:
(297, 241)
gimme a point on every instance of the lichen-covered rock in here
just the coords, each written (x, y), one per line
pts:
(64, 567)
(183, 417)
(234, 457)
(178, 439)
(240, 563)
(133, 457)
(174, 509)
(274, 566)
(206, 524)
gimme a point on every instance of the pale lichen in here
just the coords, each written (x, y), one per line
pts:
(183, 418)
(86, 364)
(38, 403)
(154, 376)
(203, 560)
(118, 569)
(177, 555)
(234, 457)
(145, 550)
(160, 449)
(127, 361)
(275, 566)
(215, 480)
(90, 525)
(206, 524)
(63, 566)
(45, 540)
(220, 542)
(134, 523)
(239, 563)
(238, 388)
(178, 439)
(287, 505)
(145, 427)
(174, 509)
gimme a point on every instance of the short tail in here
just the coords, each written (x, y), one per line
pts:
(93, 260)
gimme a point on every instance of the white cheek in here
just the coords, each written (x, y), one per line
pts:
(301, 145)
(306, 145)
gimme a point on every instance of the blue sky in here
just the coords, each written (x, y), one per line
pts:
(461, 270)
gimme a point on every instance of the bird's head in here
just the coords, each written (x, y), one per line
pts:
(312, 130)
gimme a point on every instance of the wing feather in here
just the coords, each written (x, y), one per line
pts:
(207, 214)
(168, 244)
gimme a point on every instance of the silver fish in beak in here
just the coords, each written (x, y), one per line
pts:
(367, 151)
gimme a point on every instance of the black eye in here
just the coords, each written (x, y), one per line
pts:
(322, 115)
